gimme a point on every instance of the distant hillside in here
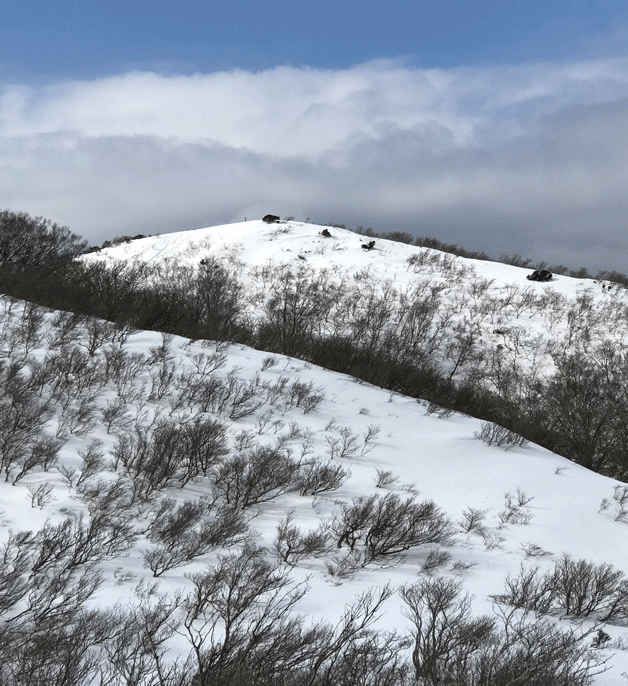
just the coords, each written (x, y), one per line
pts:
(545, 360)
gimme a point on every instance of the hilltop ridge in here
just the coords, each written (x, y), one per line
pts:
(256, 242)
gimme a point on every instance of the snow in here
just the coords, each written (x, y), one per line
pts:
(436, 458)
(529, 319)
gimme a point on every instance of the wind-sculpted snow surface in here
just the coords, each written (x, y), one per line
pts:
(180, 512)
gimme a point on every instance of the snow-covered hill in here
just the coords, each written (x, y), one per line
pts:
(109, 398)
(480, 314)
(256, 243)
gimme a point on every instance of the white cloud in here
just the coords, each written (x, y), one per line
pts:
(526, 159)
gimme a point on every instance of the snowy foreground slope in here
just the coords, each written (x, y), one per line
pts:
(96, 382)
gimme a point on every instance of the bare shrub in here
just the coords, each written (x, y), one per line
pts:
(586, 588)
(370, 435)
(531, 590)
(398, 525)
(260, 640)
(601, 639)
(65, 650)
(137, 651)
(435, 560)
(257, 476)
(378, 659)
(605, 503)
(344, 447)
(183, 532)
(217, 298)
(274, 392)
(534, 550)
(243, 397)
(154, 461)
(244, 440)
(513, 514)
(385, 478)
(115, 415)
(473, 520)
(441, 412)
(493, 434)
(208, 364)
(321, 478)
(574, 588)
(58, 594)
(74, 377)
(343, 567)
(303, 395)
(125, 370)
(205, 444)
(93, 461)
(65, 330)
(388, 526)
(351, 524)
(48, 634)
(68, 474)
(523, 498)
(22, 420)
(79, 540)
(41, 454)
(230, 593)
(98, 333)
(291, 545)
(296, 431)
(76, 419)
(444, 627)
(263, 422)
(492, 540)
(29, 329)
(40, 494)
(269, 362)
(460, 566)
(620, 496)
(163, 375)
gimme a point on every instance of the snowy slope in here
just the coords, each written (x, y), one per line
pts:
(528, 322)
(256, 243)
(434, 457)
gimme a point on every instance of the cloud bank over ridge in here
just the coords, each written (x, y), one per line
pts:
(527, 159)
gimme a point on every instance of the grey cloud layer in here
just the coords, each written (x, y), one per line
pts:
(526, 159)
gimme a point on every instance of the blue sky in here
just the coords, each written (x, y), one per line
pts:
(498, 125)
(87, 39)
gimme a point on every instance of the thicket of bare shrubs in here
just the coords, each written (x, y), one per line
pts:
(452, 646)
(27, 241)
(239, 627)
(574, 588)
(256, 476)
